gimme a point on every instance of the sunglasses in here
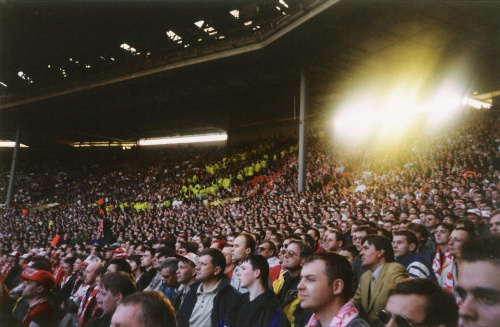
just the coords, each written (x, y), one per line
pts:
(289, 253)
(401, 321)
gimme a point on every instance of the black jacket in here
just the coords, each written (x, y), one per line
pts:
(224, 299)
(145, 279)
(263, 311)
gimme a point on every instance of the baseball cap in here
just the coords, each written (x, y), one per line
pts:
(91, 258)
(43, 277)
(474, 212)
(118, 250)
(193, 258)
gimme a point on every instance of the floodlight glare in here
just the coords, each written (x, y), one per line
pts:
(184, 139)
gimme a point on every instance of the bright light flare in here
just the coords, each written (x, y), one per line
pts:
(184, 139)
(9, 144)
(476, 103)
(388, 117)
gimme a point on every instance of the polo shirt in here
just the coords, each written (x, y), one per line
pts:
(202, 312)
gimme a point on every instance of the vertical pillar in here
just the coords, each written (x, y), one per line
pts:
(12, 170)
(302, 131)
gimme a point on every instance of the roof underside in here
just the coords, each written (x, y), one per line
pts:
(252, 75)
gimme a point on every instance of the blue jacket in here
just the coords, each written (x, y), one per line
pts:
(223, 301)
(417, 266)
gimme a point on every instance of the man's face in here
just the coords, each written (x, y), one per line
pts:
(31, 289)
(410, 306)
(401, 246)
(356, 239)
(314, 289)
(90, 275)
(239, 252)
(77, 267)
(457, 238)
(67, 269)
(268, 235)
(107, 301)
(127, 316)
(108, 255)
(442, 236)
(230, 240)
(147, 259)
(431, 221)
(205, 270)
(169, 278)
(371, 257)
(475, 219)
(112, 268)
(291, 258)
(331, 243)
(246, 274)
(264, 251)
(479, 288)
(495, 224)
(184, 272)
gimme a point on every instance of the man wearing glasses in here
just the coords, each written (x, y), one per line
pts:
(419, 302)
(285, 286)
(267, 249)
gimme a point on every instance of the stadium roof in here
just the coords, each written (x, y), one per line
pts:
(103, 71)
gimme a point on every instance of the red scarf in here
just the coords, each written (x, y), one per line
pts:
(82, 320)
(438, 264)
(343, 318)
(449, 282)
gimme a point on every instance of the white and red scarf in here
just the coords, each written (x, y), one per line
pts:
(343, 318)
(438, 263)
(449, 282)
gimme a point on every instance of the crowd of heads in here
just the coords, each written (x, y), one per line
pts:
(124, 215)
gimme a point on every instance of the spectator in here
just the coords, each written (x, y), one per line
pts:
(442, 257)
(113, 287)
(495, 222)
(373, 290)
(186, 276)
(334, 241)
(135, 266)
(88, 306)
(285, 286)
(230, 265)
(478, 284)
(474, 215)
(117, 265)
(259, 306)
(359, 269)
(350, 252)
(326, 278)
(169, 285)
(244, 246)
(404, 246)
(207, 304)
(449, 275)
(150, 309)
(147, 266)
(38, 284)
(267, 249)
(419, 301)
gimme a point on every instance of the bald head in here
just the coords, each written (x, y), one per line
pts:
(90, 273)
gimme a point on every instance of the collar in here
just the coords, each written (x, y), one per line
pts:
(211, 291)
(376, 272)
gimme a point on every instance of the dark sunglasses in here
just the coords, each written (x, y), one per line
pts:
(401, 321)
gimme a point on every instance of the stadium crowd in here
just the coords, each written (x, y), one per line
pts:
(385, 234)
